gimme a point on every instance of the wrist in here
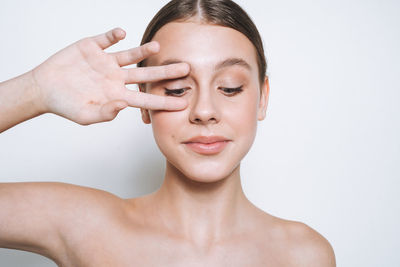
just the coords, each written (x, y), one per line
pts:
(20, 100)
(35, 93)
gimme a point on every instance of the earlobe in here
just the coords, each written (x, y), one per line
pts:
(145, 116)
(262, 109)
(145, 112)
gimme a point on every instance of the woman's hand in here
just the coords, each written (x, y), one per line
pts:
(85, 84)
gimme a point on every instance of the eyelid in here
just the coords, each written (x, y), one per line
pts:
(171, 92)
(235, 90)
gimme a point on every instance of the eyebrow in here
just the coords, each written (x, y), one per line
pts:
(221, 65)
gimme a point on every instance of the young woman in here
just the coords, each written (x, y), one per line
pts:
(202, 73)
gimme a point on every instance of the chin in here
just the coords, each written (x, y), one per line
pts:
(206, 171)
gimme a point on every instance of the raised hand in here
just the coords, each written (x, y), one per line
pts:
(85, 84)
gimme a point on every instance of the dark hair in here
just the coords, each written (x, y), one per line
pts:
(219, 12)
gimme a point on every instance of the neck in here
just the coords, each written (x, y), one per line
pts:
(201, 212)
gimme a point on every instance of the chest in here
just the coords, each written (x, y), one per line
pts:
(125, 252)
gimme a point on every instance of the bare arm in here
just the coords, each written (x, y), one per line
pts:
(41, 217)
(85, 84)
(19, 101)
(28, 219)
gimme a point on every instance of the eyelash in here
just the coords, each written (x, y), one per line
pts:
(175, 92)
(181, 91)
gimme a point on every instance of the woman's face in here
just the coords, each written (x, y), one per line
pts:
(207, 140)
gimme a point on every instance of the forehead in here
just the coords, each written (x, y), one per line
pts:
(203, 46)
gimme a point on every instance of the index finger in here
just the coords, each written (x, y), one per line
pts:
(154, 102)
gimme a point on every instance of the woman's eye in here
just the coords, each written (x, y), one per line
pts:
(182, 91)
(175, 92)
(232, 91)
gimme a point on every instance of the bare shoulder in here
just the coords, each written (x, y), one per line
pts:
(53, 200)
(72, 208)
(80, 203)
(305, 246)
(68, 205)
(83, 216)
(41, 216)
(71, 193)
(64, 195)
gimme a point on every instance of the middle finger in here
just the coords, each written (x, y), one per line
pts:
(156, 73)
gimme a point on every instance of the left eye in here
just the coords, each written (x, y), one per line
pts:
(232, 91)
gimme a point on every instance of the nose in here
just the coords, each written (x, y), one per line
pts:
(204, 109)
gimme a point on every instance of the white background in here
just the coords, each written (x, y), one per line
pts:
(328, 153)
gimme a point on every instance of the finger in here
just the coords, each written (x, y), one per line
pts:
(110, 110)
(158, 73)
(109, 38)
(137, 54)
(154, 102)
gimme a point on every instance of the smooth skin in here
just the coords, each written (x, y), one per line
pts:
(200, 215)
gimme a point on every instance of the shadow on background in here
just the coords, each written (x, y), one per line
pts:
(17, 258)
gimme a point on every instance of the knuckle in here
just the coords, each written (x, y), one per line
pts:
(147, 48)
(85, 43)
(127, 75)
(129, 56)
(118, 33)
(143, 52)
(110, 36)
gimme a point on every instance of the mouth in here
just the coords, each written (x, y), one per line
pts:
(207, 145)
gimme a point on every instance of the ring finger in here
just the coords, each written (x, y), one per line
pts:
(157, 73)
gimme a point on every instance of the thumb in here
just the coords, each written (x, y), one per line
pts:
(110, 110)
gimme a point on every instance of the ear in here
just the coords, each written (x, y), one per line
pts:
(145, 112)
(262, 108)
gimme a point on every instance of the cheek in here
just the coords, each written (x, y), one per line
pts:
(164, 124)
(245, 117)
(244, 124)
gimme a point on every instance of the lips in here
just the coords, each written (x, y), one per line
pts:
(207, 145)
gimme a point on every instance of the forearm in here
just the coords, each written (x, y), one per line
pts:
(20, 100)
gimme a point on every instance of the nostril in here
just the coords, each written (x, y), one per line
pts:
(204, 112)
(198, 120)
